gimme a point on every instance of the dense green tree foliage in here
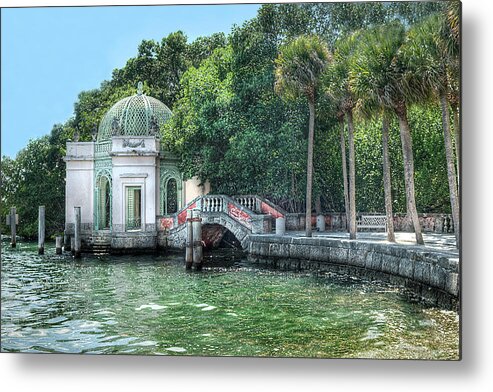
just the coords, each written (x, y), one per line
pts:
(231, 128)
(34, 178)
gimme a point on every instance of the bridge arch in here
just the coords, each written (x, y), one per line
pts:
(217, 236)
(240, 215)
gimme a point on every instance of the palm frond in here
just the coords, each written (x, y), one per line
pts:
(299, 66)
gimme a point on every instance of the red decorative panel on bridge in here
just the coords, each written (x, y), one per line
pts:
(182, 216)
(166, 223)
(267, 209)
(239, 215)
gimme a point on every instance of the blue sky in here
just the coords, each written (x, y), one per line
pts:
(49, 55)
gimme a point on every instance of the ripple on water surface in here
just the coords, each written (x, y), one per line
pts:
(151, 305)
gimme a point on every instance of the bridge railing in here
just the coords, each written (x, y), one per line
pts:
(260, 205)
(210, 204)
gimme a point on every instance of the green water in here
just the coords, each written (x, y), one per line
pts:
(151, 305)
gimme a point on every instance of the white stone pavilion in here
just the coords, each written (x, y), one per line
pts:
(124, 181)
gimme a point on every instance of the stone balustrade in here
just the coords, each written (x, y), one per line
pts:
(212, 204)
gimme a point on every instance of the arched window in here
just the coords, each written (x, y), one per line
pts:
(103, 199)
(171, 201)
(171, 191)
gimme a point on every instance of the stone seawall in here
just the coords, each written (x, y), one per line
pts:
(432, 275)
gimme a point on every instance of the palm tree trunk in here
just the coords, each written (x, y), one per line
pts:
(387, 179)
(309, 169)
(407, 155)
(352, 178)
(344, 173)
(457, 142)
(452, 180)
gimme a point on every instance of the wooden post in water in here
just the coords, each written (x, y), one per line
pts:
(66, 242)
(189, 243)
(58, 245)
(197, 240)
(77, 241)
(13, 223)
(41, 230)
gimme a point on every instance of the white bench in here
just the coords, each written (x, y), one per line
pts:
(372, 222)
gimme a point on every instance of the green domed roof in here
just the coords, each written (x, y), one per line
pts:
(137, 115)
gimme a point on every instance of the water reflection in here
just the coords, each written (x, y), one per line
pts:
(151, 305)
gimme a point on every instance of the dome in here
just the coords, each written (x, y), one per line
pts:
(137, 115)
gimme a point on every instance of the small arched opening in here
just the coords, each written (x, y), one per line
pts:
(171, 194)
(103, 198)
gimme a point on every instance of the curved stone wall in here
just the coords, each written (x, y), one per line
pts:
(432, 275)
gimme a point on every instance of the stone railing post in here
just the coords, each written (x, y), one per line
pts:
(280, 226)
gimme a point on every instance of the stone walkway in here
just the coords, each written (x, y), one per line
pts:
(433, 241)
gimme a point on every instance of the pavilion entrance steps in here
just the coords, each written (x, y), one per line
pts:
(100, 243)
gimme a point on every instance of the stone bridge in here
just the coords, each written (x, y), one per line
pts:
(240, 215)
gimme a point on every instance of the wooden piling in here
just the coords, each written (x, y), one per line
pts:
(58, 245)
(41, 230)
(66, 242)
(197, 240)
(13, 233)
(189, 243)
(77, 241)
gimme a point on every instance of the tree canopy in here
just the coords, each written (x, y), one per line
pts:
(230, 127)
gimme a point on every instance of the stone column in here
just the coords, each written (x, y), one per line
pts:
(41, 230)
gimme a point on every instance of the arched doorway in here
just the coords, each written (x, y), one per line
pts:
(103, 198)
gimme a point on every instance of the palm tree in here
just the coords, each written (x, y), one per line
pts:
(378, 72)
(298, 68)
(453, 29)
(340, 118)
(336, 84)
(432, 59)
(368, 107)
